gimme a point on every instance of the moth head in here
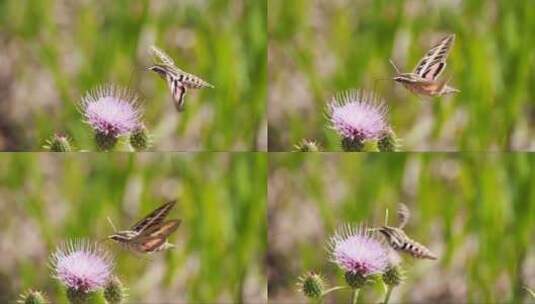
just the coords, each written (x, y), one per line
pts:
(402, 78)
(118, 237)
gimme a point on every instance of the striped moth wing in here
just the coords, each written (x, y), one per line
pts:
(154, 218)
(434, 61)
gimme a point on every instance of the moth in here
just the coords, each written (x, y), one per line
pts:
(178, 81)
(423, 80)
(150, 233)
(398, 239)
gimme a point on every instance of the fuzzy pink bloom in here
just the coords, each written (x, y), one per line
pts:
(358, 115)
(355, 250)
(81, 265)
(110, 110)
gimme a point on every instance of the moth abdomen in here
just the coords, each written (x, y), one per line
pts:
(398, 240)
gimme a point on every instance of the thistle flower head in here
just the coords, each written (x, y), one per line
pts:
(111, 111)
(81, 266)
(311, 284)
(358, 115)
(356, 251)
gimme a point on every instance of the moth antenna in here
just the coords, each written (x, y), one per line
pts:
(395, 66)
(386, 217)
(111, 223)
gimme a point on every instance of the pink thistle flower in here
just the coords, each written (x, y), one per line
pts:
(355, 250)
(111, 111)
(358, 115)
(82, 266)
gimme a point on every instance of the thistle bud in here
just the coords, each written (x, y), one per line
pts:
(307, 146)
(32, 297)
(393, 276)
(58, 143)
(140, 139)
(114, 292)
(311, 285)
(389, 142)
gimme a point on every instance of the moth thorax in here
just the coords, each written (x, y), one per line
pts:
(394, 236)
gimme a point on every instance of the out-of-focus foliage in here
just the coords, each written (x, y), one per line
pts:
(476, 212)
(54, 51)
(320, 47)
(46, 199)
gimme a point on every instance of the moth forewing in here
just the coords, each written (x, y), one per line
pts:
(162, 230)
(161, 56)
(156, 238)
(155, 217)
(438, 53)
(150, 245)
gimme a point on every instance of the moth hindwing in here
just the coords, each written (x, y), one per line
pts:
(150, 233)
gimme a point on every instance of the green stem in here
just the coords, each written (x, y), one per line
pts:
(333, 289)
(388, 293)
(355, 295)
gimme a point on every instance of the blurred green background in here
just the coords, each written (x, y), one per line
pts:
(320, 47)
(54, 51)
(46, 199)
(476, 212)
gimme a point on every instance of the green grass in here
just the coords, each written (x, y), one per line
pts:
(47, 199)
(318, 48)
(476, 212)
(55, 51)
